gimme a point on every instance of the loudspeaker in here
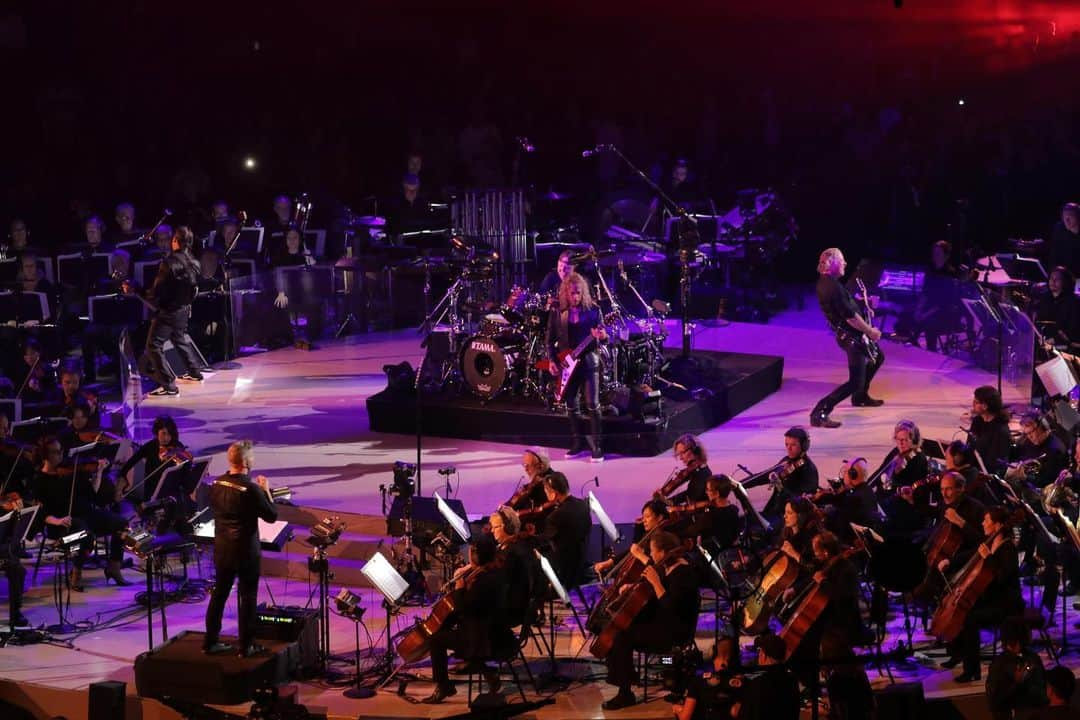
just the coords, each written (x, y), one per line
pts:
(291, 624)
(106, 701)
(900, 701)
(427, 521)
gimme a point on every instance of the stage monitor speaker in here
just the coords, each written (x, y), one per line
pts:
(900, 701)
(427, 522)
(106, 701)
(291, 624)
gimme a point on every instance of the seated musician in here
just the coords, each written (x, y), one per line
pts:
(519, 563)
(18, 239)
(654, 514)
(34, 378)
(211, 273)
(853, 502)
(567, 529)
(1057, 312)
(69, 509)
(689, 451)
(30, 278)
(963, 512)
(554, 278)
(773, 694)
(159, 453)
(125, 224)
(93, 238)
(481, 629)
(990, 428)
(668, 621)
(16, 462)
(907, 466)
(1016, 681)
(72, 394)
(1040, 457)
(801, 524)
(797, 476)
(936, 310)
(1001, 599)
(293, 253)
(720, 520)
(78, 432)
(13, 496)
(537, 465)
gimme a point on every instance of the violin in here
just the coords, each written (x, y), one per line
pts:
(789, 466)
(11, 501)
(677, 477)
(534, 514)
(522, 494)
(97, 436)
(174, 453)
(679, 512)
(895, 467)
(86, 468)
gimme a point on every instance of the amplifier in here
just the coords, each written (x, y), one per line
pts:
(291, 624)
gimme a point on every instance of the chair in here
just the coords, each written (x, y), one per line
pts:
(506, 657)
(1033, 620)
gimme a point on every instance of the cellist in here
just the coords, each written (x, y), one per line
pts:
(668, 620)
(653, 514)
(960, 513)
(1001, 599)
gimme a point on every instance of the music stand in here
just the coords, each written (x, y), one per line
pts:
(143, 268)
(81, 268)
(560, 592)
(115, 309)
(1057, 375)
(12, 407)
(933, 448)
(248, 241)
(315, 240)
(452, 518)
(1020, 268)
(606, 524)
(32, 430)
(393, 588)
(24, 307)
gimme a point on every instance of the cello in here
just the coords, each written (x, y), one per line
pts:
(781, 572)
(626, 571)
(971, 582)
(811, 606)
(626, 607)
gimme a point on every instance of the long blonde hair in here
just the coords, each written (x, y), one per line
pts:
(564, 292)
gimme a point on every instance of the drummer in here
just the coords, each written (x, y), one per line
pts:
(563, 268)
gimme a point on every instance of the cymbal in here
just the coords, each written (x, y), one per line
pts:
(555, 196)
(369, 221)
(631, 258)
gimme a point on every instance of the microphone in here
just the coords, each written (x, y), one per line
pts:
(525, 144)
(595, 151)
(168, 212)
(447, 470)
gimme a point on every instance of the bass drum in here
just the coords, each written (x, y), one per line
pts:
(488, 364)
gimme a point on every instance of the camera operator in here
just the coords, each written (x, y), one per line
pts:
(712, 694)
(773, 694)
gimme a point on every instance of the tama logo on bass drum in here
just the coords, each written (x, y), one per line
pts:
(483, 346)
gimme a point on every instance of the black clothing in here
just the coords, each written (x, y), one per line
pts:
(176, 282)
(584, 385)
(695, 487)
(713, 695)
(803, 480)
(173, 291)
(972, 511)
(1052, 456)
(403, 216)
(992, 441)
(482, 630)
(150, 452)
(522, 571)
(1055, 712)
(774, 695)
(54, 492)
(1063, 311)
(1001, 599)
(567, 529)
(663, 624)
(852, 505)
(937, 310)
(1064, 247)
(837, 303)
(238, 504)
(721, 524)
(1004, 694)
(550, 283)
(838, 306)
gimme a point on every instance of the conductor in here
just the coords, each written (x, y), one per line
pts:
(238, 504)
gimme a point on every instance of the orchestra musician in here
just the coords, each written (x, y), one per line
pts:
(519, 563)
(689, 451)
(576, 318)
(481, 629)
(1041, 448)
(163, 449)
(720, 519)
(801, 524)
(907, 466)
(173, 291)
(844, 317)
(125, 224)
(990, 428)
(654, 514)
(1057, 312)
(34, 379)
(68, 495)
(773, 694)
(103, 333)
(853, 502)
(16, 462)
(1016, 681)
(1001, 599)
(238, 502)
(797, 474)
(963, 512)
(567, 528)
(72, 394)
(668, 621)
(9, 557)
(537, 465)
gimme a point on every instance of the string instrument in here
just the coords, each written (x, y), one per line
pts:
(677, 477)
(175, 454)
(943, 542)
(416, 643)
(33, 378)
(895, 467)
(97, 436)
(971, 582)
(681, 512)
(748, 507)
(810, 608)
(626, 607)
(626, 571)
(524, 491)
(873, 478)
(780, 571)
(789, 466)
(535, 514)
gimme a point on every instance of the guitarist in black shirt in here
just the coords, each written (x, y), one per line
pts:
(854, 334)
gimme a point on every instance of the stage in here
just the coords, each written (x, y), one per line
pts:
(307, 413)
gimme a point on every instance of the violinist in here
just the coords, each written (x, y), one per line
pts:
(103, 333)
(9, 557)
(567, 529)
(990, 428)
(73, 394)
(854, 502)
(519, 563)
(965, 514)
(695, 472)
(1041, 456)
(482, 629)
(78, 431)
(159, 453)
(576, 319)
(797, 474)
(720, 519)
(907, 466)
(1001, 599)
(537, 465)
(669, 620)
(68, 495)
(16, 464)
(34, 378)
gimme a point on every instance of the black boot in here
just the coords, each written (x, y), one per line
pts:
(596, 451)
(577, 441)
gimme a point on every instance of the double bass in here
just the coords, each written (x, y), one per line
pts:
(971, 582)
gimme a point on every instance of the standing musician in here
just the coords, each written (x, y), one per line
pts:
(158, 453)
(576, 319)
(519, 563)
(172, 293)
(797, 474)
(961, 514)
(851, 329)
(990, 428)
(694, 473)
(68, 494)
(537, 465)
(853, 502)
(238, 502)
(1001, 598)
(1040, 448)
(567, 529)
(481, 629)
(667, 622)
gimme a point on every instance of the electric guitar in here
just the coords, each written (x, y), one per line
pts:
(848, 336)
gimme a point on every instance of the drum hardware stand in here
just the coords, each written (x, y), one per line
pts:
(348, 275)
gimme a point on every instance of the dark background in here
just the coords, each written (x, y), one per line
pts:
(850, 109)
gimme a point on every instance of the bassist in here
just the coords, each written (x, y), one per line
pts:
(576, 319)
(857, 337)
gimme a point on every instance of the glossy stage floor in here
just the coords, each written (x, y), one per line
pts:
(306, 412)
